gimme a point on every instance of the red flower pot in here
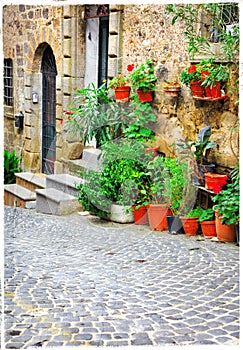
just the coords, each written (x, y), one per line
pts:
(140, 216)
(215, 182)
(214, 91)
(190, 225)
(145, 96)
(209, 228)
(157, 216)
(225, 233)
(122, 93)
(196, 88)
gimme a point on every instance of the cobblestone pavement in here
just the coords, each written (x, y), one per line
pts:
(76, 280)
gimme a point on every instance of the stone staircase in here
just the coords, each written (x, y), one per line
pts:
(51, 194)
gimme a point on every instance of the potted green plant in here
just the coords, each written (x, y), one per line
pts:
(191, 76)
(213, 75)
(207, 222)
(175, 186)
(159, 208)
(227, 208)
(190, 221)
(124, 177)
(121, 88)
(143, 80)
(11, 166)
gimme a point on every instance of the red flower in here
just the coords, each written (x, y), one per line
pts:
(130, 67)
(69, 112)
(69, 117)
(61, 121)
(192, 69)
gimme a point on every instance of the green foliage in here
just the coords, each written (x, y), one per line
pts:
(98, 116)
(175, 184)
(118, 81)
(195, 213)
(207, 215)
(192, 73)
(11, 166)
(159, 173)
(228, 200)
(191, 15)
(143, 77)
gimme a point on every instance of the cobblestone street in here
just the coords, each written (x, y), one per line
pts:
(77, 280)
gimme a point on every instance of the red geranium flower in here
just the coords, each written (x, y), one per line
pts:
(69, 112)
(192, 69)
(61, 121)
(130, 67)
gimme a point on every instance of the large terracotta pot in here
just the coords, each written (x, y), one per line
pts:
(190, 225)
(225, 233)
(145, 96)
(140, 216)
(122, 93)
(157, 216)
(209, 228)
(197, 89)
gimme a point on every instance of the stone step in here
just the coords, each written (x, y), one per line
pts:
(18, 196)
(90, 160)
(64, 182)
(54, 202)
(31, 181)
(91, 154)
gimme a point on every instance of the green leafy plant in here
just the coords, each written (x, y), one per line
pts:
(11, 166)
(143, 77)
(194, 213)
(203, 145)
(207, 215)
(228, 200)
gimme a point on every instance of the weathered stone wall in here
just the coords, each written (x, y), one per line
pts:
(31, 29)
(148, 34)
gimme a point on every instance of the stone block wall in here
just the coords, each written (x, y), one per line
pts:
(148, 34)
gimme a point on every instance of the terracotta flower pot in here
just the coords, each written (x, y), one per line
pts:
(145, 96)
(190, 225)
(122, 93)
(209, 228)
(196, 88)
(172, 90)
(225, 233)
(157, 216)
(140, 216)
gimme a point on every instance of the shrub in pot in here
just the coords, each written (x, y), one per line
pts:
(227, 208)
(207, 222)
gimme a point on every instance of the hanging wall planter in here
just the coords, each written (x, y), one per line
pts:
(214, 91)
(172, 90)
(122, 93)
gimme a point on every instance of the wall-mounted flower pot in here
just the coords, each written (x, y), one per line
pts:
(172, 90)
(215, 182)
(225, 233)
(190, 225)
(122, 94)
(196, 88)
(140, 216)
(209, 228)
(214, 91)
(157, 216)
(145, 96)
(174, 225)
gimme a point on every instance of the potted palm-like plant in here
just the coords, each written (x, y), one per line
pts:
(143, 80)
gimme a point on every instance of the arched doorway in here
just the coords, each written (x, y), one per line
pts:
(49, 72)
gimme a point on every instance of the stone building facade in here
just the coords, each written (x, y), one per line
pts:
(51, 45)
